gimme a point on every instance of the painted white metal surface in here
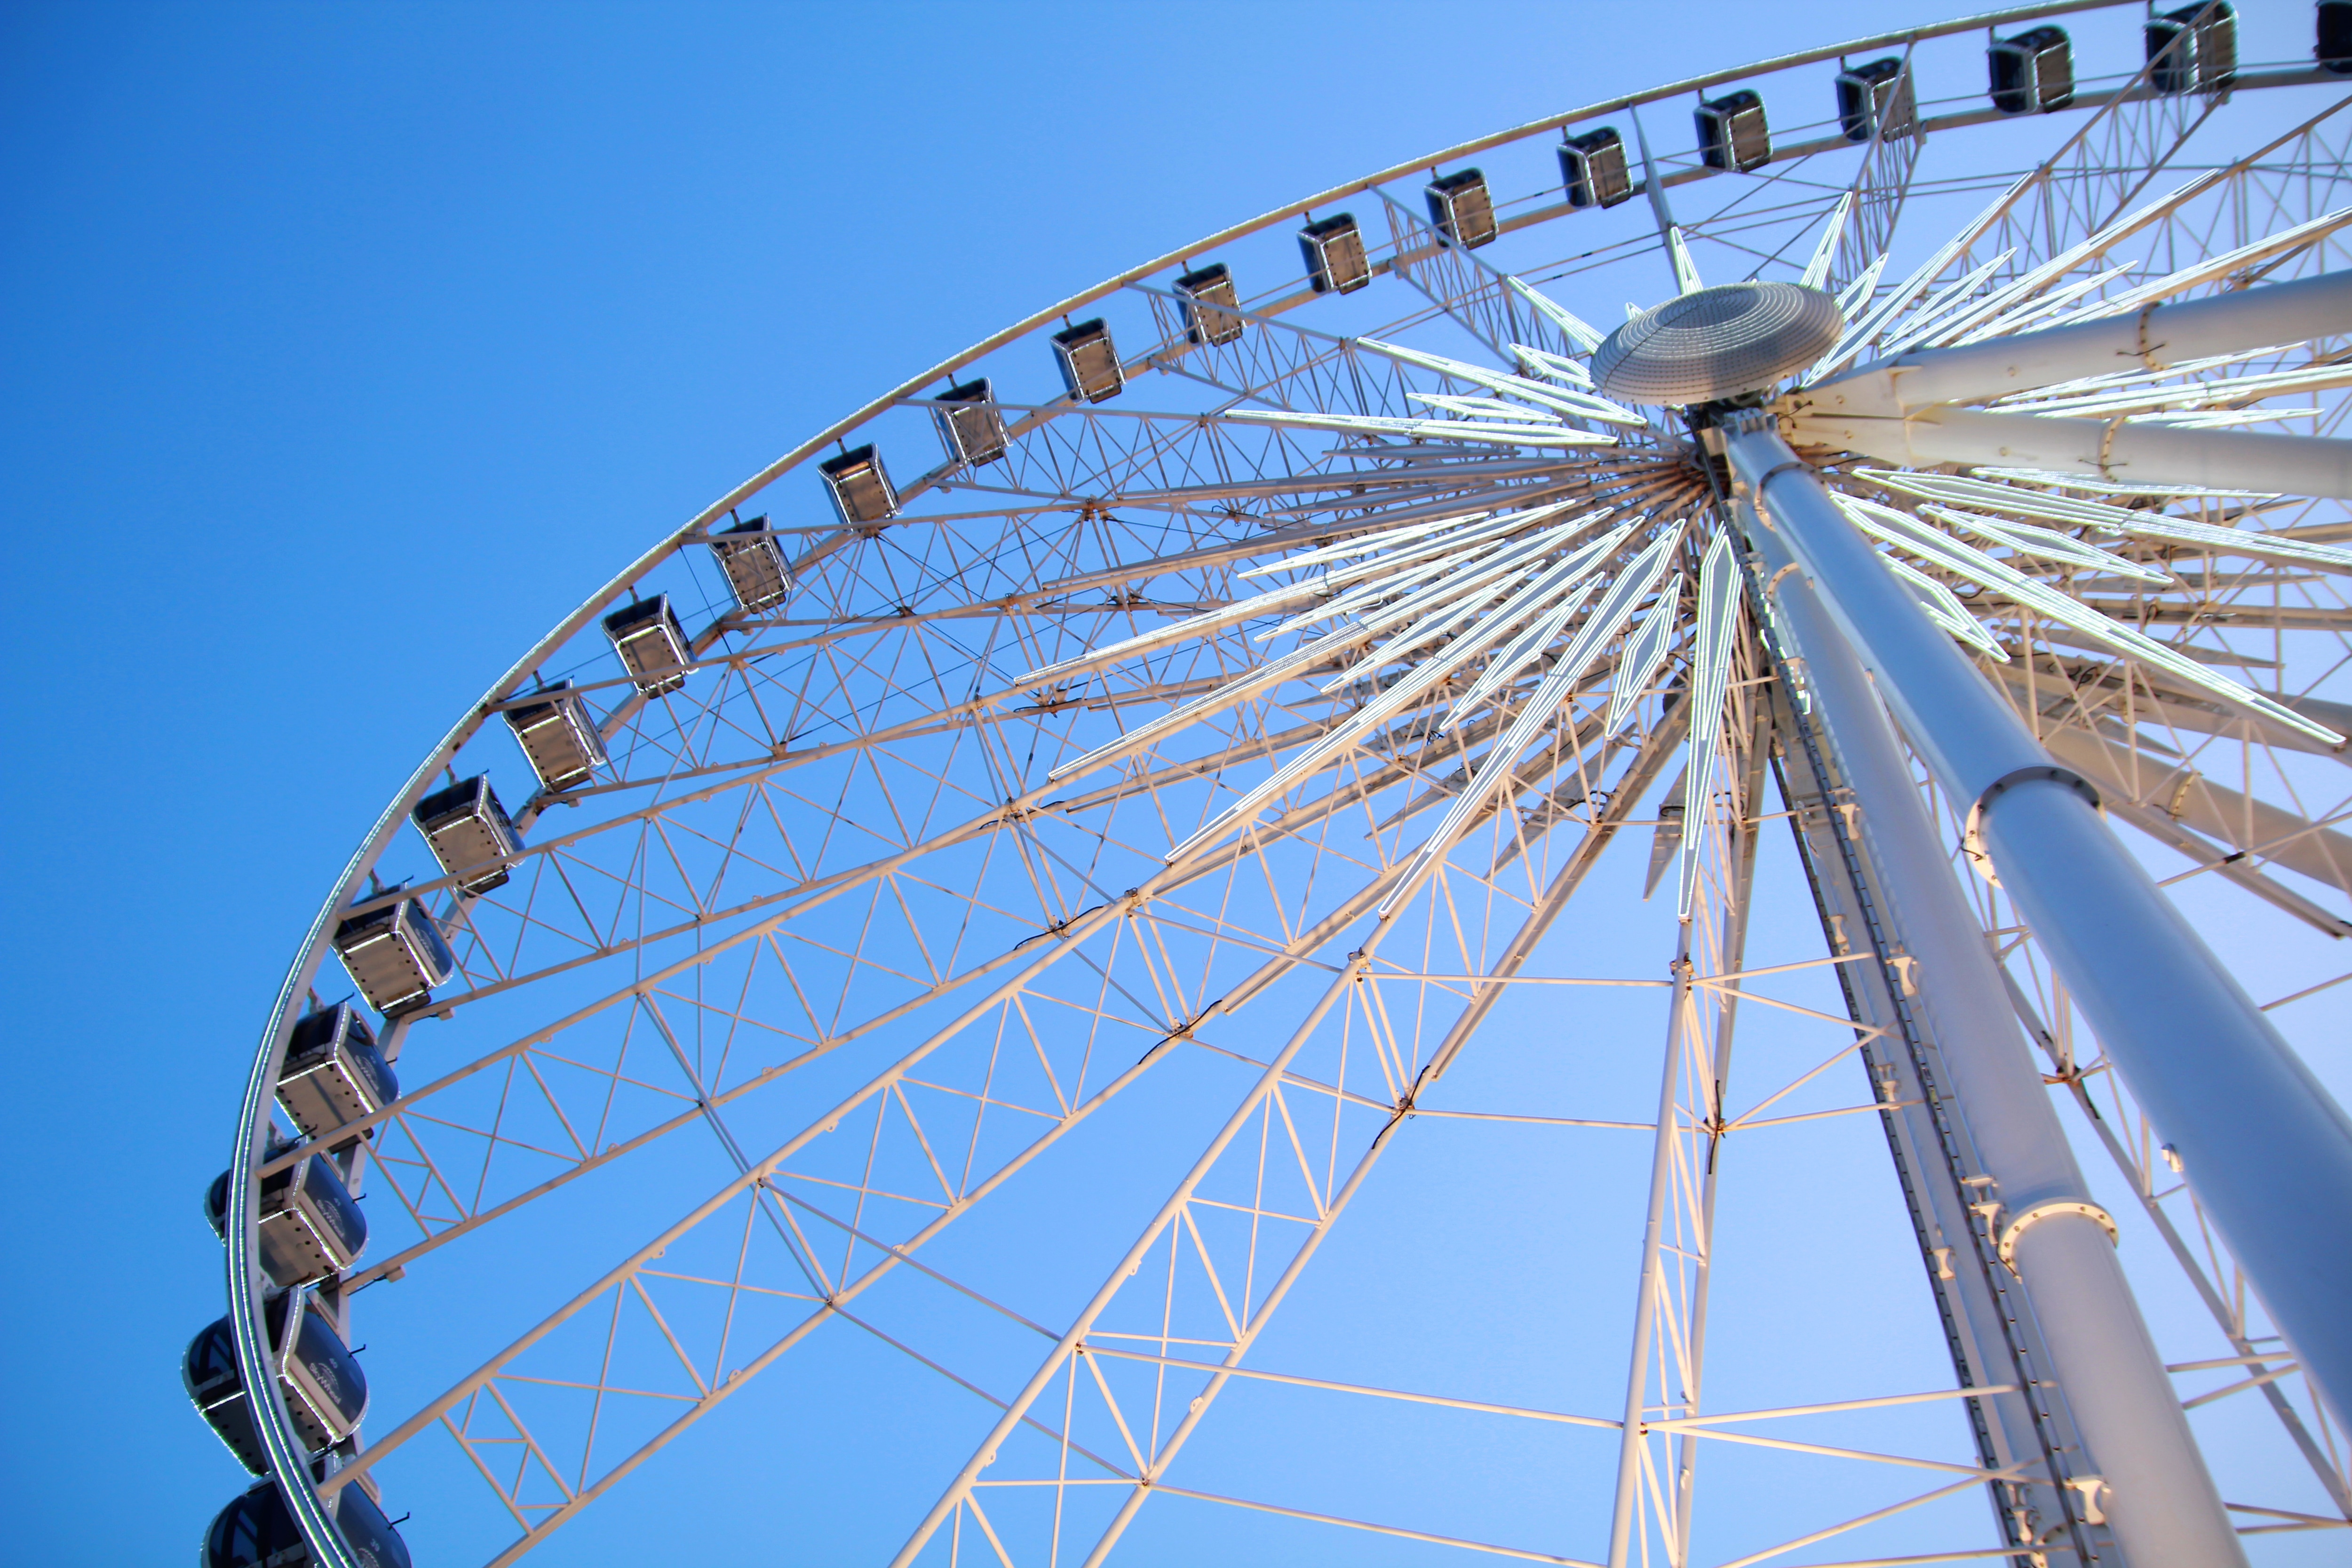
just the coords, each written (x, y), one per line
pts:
(1420, 552)
(2101, 448)
(2158, 1493)
(2230, 1095)
(2152, 338)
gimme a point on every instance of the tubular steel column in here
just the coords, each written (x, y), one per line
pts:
(2101, 448)
(2268, 1149)
(1630, 1437)
(1744, 827)
(2037, 1211)
(2025, 1437)
(1902, 410)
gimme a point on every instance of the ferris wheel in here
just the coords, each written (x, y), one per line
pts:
(1137, 950)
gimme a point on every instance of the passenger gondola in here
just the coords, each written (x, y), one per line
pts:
(1090, 361)
(1592, 167)
(395, 953)
(2032, 73)
(468, 830)
(311, 1229)
(860, 486)
(333, 1073)
(1334, 252)
(652, 643)
(1876, 98)
(258, 1530)
(1733, 132)
(1462, 208)
(558, 735)
(1209, 298)
(325, 1393)
(970, 425)
(755, 563)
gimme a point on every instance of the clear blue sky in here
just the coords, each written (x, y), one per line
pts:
(346, 347)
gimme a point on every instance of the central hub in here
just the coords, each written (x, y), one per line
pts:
(1716, 343)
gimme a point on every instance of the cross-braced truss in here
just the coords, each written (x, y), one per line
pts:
(1212, 797)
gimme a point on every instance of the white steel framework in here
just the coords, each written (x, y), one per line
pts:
(1110, 889)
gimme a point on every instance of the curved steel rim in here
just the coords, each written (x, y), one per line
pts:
(288, 1464)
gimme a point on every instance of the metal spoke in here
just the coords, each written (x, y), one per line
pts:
(1274, 712)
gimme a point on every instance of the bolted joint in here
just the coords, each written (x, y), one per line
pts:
(1972, 840)
(2007, 1243)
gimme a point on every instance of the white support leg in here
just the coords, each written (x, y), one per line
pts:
(1634, 1439)
(2160, 1501)
(2101, 448)
(1905, 410)
(2269, 1151)
(2153, 338)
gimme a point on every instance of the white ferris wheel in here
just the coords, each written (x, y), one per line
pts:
(1134, 951)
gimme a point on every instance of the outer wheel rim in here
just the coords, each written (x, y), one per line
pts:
(243, 1268)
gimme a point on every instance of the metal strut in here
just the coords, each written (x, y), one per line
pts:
(2268, 1148)
(2020, 1428)
(2163, 1503)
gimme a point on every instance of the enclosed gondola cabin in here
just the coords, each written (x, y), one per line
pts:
(2333, 48)
(970, 425)
(311, 1229)
(860, 486)
(754, 563)
(1334, 252)
(558, 735)
(1461, 209)
(651, 644)
(1876, 98)
(1732, 133)
(208, 1372)
(1209, 299)
(1088, 361)
(216, 1205)
(2193, 49)
(333, 1073)
(395, 953)
(2032, 73)
(258, 1530)
(324, 1389)
(1592, 168)
(468, 831)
